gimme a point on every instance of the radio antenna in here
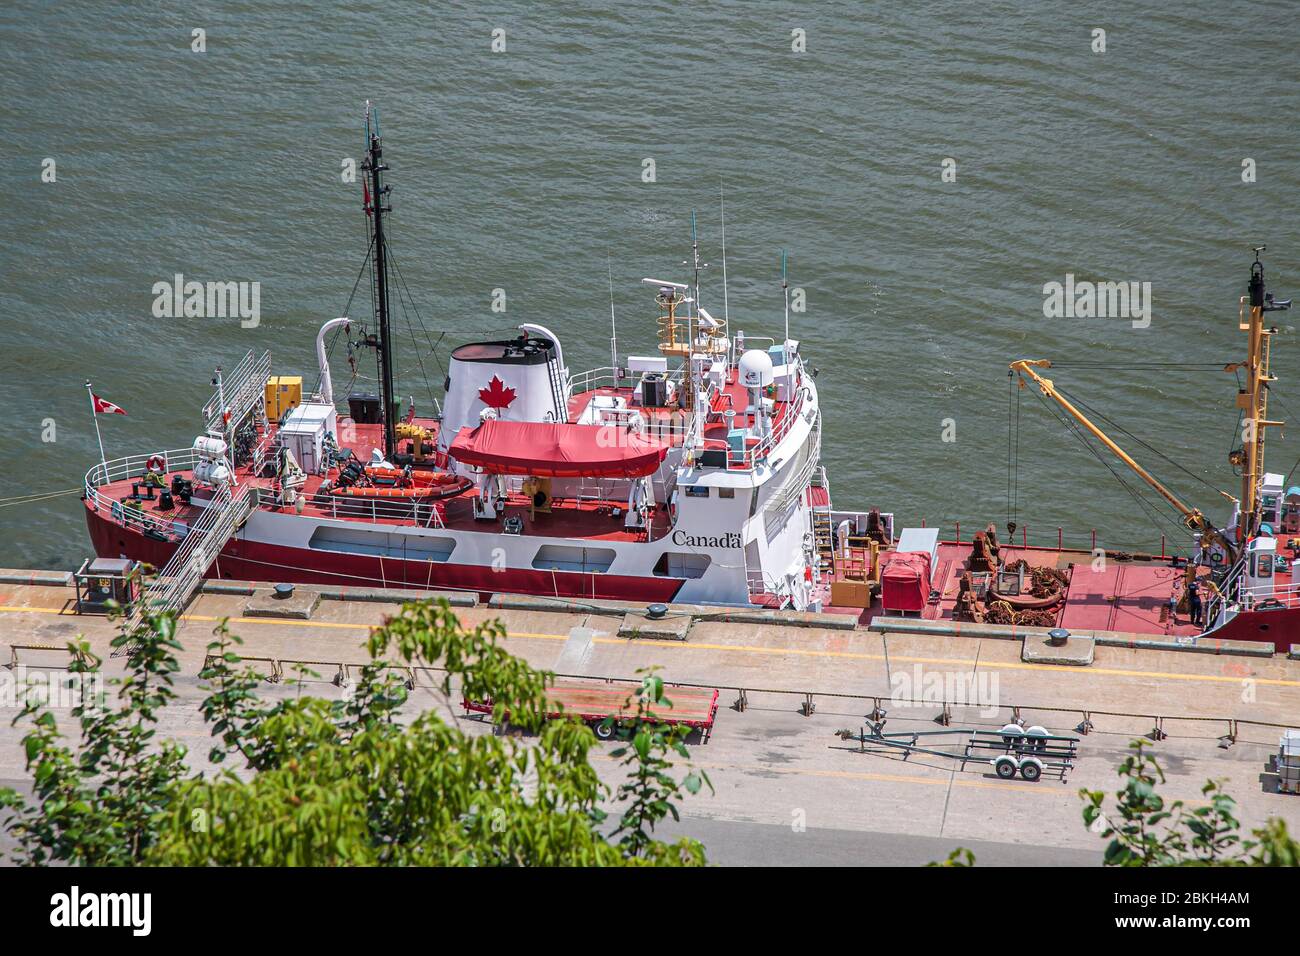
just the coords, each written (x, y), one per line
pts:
(785, 288)
(726, 312)
(613, 329)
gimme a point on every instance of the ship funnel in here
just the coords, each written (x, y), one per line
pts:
(521, 380)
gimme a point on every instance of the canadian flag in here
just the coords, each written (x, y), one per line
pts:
(105, 407)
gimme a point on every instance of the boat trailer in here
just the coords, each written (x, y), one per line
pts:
(1013, 749)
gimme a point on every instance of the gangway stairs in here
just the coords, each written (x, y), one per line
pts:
(178, 581)
(244, 389)
(824, 534)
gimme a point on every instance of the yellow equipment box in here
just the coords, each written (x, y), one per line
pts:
(283, 392)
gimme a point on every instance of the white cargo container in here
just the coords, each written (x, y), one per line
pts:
(304, 431)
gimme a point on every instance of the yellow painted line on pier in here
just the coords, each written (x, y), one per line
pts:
(907, 659)
(212, 618)
(743, 649)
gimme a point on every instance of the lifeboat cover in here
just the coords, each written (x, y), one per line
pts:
(551, 450)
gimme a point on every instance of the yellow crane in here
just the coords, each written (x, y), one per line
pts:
(1193, 518)
(1252, 399)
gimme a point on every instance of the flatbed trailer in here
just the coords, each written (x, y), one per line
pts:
(1011, 750)
(596, 702)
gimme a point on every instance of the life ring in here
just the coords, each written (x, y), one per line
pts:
(156, 464)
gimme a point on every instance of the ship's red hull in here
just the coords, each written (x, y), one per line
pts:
(1280, 627)
(252, 561)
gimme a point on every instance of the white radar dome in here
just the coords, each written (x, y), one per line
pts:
(756, 369)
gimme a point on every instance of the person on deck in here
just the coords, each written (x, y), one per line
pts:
(1194, 607)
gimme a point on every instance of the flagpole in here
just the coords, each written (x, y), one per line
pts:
(103, 459)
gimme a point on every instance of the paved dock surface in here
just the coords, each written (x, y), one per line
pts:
(787, 790)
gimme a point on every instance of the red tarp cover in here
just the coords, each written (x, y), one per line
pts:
(550, 450)
(905, 581)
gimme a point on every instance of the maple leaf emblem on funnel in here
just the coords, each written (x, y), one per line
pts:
(496, 395)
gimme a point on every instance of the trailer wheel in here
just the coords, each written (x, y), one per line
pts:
(1031, 770)
(1011, 731)
(1005, 767)
(604, 729)
(1037, 732)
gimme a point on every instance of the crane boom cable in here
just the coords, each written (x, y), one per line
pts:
(1049, 389)
(1160, 521)
(1151, 448)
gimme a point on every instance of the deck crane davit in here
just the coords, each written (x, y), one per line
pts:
(1252, 400)
(1193, 518)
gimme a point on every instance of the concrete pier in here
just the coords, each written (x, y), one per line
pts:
(787, 790)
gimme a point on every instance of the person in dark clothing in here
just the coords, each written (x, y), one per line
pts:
(1194, 602)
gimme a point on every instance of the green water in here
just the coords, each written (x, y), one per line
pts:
(522, 170)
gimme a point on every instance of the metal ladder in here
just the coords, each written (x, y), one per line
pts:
(823, 533)
(244, 388)
(1227, 599)
(177, 582)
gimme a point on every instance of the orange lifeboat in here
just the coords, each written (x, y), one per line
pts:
(418, 479)
(399, 485)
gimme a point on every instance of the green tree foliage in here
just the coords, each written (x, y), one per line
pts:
(1145, 830)
(314, 782)
(959, 858)
(650, 791)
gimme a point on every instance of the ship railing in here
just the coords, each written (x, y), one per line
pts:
(380, 510)
(243, 389)
(1059, 539)
(133, 467)
(1288, 595)
(794, 489)
(757, 583)
(269, 441)
(1226, 600)
(605, 376)
(794, 409)
(592, 489)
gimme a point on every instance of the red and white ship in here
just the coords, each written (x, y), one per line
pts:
(689, 475)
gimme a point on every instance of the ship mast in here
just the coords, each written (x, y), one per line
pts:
(1253, 398)
(375, 209)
